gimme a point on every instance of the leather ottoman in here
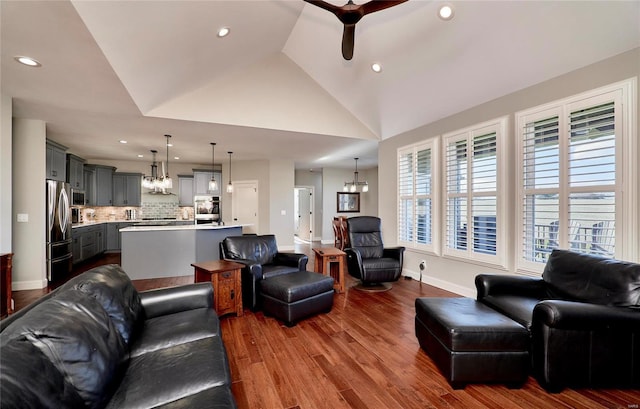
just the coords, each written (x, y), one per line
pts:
(472, 343)
(294, 296)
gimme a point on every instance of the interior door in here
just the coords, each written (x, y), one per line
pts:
(244, 205)
(304, 213)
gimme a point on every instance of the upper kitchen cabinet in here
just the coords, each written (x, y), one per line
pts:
(75, 171)
(56, 161)
(127, 189)
(185, 186)
(99, 185)
(201, 180)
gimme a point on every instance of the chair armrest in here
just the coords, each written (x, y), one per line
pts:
(354, 262)
(498, 284)
(573, 315)
(393, 252)
(164, 301)
(292, 259)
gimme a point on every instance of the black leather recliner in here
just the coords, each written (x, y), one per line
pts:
(367, 259)
(261, 260)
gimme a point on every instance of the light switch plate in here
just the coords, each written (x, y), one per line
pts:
(23, 217)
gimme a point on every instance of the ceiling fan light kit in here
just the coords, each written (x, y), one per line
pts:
(350, 14)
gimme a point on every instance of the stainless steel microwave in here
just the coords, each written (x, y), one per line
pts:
(77, 197)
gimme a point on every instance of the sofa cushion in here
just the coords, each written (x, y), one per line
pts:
(174, 329)
(261, 249)
(29, 380)
(215, 398)
(169, 374)
(593, 279)
(113, 289)
(75, 333)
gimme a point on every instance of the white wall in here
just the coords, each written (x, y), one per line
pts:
(455, 275)
(282, 176)
(28, 191)
(5, 173)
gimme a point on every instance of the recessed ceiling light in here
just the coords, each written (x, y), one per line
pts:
(176, 157)
(169, 144)
(223, 32)
(376, 67)
(445, 12)
(27, 61)
(141, 156)
(123, 141)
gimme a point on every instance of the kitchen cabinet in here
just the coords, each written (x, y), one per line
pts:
(185, 188)
(100, 191)
(87, 242)
(201, 180)
(127, 189)
(56, 161)
(113, 234)
(75, 171)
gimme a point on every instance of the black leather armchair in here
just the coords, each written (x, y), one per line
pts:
(261, 260)
(367, 259)
(583, 316)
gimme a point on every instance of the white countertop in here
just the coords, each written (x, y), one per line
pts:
(183, 227)
(94, 223)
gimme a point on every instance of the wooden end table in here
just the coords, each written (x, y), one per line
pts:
(336, 259)
(225, 277)
(6, 300)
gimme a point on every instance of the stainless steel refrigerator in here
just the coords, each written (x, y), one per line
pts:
(59, 256)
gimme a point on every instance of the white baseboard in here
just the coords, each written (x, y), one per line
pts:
(445, 285)
(28, 285)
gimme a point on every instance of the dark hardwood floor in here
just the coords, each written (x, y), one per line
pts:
(363, 354)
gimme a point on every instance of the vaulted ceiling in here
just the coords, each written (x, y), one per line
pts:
(277, 86)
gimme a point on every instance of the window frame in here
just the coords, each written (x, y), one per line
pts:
(626, 221)
(433, 145)
(499, 127)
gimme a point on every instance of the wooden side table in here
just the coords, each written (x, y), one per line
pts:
(336, 259)
(225, 277)
(6, 303)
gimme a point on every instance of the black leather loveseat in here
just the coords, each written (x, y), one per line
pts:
(583, 318)
(96, 342)
(262, 260)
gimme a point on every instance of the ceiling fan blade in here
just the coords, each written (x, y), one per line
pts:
(324, 5)
(347, 41)
(377, 5)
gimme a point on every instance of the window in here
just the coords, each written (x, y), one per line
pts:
(416, 196)
(570, 184)
(474, 218)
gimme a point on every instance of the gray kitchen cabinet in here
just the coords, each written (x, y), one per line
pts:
(89, 185)
(101, 181)
(56, 161)
(113, 235)
(201, 180)
(87, 242)
(75, 171)
(127, 189)
(185, 188)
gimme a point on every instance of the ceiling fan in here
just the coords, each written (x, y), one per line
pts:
(349, 15)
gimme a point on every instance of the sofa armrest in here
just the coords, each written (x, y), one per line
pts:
(573, 315)
(292, 259)
(164, 301)
(498, 284)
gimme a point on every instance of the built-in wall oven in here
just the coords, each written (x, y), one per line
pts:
(207, 209)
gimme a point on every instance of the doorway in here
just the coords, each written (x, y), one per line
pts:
(244, 205)
(303, 213)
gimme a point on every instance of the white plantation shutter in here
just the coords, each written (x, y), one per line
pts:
(415, 198)
(570, 162)
(473, 215)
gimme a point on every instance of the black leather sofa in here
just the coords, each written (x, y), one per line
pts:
(96, 342)
(262, 260)
(583, 317)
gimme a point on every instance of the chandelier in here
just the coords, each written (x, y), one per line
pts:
(355, 184)
(154, 182)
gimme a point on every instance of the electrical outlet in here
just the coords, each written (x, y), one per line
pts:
(423, 265)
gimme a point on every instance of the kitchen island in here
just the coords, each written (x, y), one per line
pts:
(169, 251)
